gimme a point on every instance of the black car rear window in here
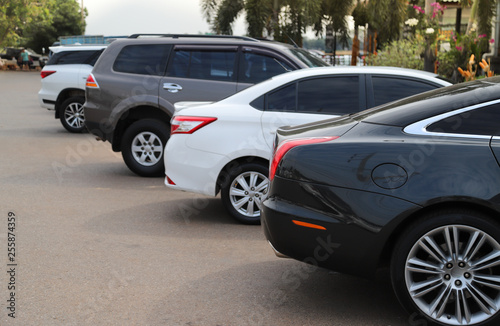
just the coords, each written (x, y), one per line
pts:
(422, 106)
(75, 57)
(481, 121)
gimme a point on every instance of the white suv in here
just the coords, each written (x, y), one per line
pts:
(63, 82)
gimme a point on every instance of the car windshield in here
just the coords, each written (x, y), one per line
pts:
(307, 58)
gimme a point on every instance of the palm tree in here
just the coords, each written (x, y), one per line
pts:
(220, 14)
(333, 15)
(284, 20)
(482, 11)
(386, 18)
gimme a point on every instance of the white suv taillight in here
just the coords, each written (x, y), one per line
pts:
(188, 125)
(287, 145)
(46, 73)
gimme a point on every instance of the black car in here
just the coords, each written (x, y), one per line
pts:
(413, 186)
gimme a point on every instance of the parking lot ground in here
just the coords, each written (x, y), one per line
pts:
(97, 245)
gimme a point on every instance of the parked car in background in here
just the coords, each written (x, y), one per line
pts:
(413, 186)
(63, 83)
(133, 88)
(13, 54)
(226, 146)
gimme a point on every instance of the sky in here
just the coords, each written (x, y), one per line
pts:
(125, 17)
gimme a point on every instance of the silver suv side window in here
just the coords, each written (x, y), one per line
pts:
(150, 59)
(257, 67)
(207, 64)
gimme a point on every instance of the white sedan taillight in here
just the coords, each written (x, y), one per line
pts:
(188, 125)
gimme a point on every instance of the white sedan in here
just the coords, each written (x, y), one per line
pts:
(226, 146)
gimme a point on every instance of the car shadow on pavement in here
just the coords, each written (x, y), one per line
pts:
(279, 292)
(185, 218)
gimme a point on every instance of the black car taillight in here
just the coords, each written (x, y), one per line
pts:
(287, 145)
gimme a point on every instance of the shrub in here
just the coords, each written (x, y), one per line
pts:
(402, 53)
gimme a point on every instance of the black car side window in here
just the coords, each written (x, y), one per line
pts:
(331, 95)
(389, 88)
(144, 59)
(481, 121)
(210, 65)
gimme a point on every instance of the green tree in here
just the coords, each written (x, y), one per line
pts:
(15, 15)
(65, 19)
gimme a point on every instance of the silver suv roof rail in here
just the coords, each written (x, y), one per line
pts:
(245, 38)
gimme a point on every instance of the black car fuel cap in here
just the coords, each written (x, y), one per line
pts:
(389, 176)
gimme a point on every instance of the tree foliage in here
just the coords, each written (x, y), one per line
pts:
(65, 19)
(485, 12)
(38, 24)
(15, 15)
(386, 17)
(284, 20)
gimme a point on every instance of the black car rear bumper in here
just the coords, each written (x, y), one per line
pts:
(354, 235)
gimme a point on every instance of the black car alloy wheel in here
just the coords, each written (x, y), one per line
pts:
(446, 267)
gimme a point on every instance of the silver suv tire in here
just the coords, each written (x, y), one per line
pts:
(143, 145)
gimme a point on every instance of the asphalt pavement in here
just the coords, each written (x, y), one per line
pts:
(84, 241)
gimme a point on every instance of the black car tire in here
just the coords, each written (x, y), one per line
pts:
(143, 146)
(71, 114)
(252, 193)
(440, 255)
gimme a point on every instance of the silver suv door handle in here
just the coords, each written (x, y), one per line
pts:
(172, 88)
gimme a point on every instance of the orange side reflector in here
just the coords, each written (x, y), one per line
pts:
(308, 225)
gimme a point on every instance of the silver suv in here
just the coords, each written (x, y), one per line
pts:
(136, 82)
(63, 82)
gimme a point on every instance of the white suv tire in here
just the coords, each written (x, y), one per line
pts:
(71, 114)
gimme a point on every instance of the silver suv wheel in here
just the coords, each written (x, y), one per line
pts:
(147, 148)
(143, 146)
